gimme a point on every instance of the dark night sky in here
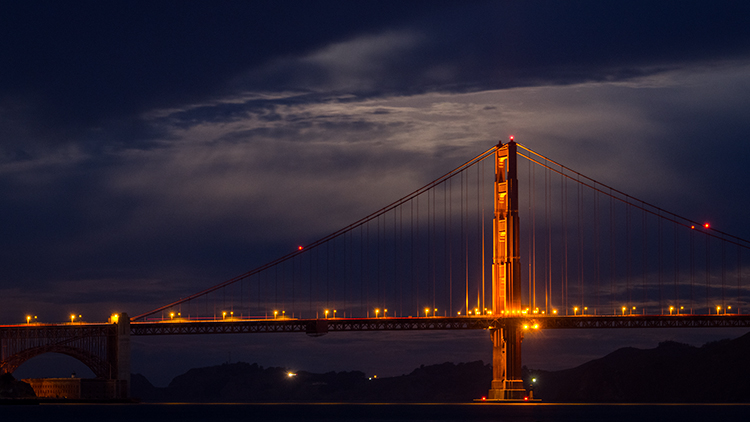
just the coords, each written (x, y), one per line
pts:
(151, 149)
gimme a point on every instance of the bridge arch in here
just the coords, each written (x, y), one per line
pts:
(100, 367)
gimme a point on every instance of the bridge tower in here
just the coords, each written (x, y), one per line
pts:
(506, 278)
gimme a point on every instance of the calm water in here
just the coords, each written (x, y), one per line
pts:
(375, 412)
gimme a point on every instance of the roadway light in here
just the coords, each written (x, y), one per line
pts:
(72, 318)
(385, 313)
(28, 319)
(377, 311)
(224, 315)
(623, 310)
(585, 308)
(334, 313)
(426, 311)
(326, 313)
(275, 313)
(575, 310)
(671, 308)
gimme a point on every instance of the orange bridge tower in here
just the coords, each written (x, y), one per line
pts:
(506, 279)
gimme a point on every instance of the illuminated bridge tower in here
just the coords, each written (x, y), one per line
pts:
(506, 279)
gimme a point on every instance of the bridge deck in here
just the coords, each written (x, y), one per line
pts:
(322, 326)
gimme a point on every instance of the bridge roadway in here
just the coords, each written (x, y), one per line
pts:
(324, 325)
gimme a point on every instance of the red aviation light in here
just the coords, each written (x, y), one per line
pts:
(299, 248)
(706, 225)
(692, 227)
(511, 138)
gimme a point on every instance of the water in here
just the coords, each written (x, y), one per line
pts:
(542, 412)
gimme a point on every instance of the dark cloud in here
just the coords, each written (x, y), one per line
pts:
(84, 63)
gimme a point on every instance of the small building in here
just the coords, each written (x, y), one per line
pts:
(77, 388)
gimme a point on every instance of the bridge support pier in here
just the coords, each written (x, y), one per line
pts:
(506, 364)
(123, 356)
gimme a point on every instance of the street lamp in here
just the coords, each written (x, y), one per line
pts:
(275, 313)
(224, 315)
(72, 318)
(334, 313)
(385, 313)
(671, 308)
(377, 311)
(171, 315)
(28, 319)
(426, 311)
(326, 313)
(623, 310)
(575, 310)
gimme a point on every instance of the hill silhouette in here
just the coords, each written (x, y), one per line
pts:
(717, 372)
(251, 383)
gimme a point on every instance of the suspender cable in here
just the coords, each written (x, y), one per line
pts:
(676, 272)
(613, 299)
(708, 271)
(661, 265)
(480, 205)
(446, 241)
(532, 285)
(580, 244)
(644, 245)
(548, 217)
(628, 254)
(596, 248)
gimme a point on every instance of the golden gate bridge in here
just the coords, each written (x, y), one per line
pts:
(509, 241)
